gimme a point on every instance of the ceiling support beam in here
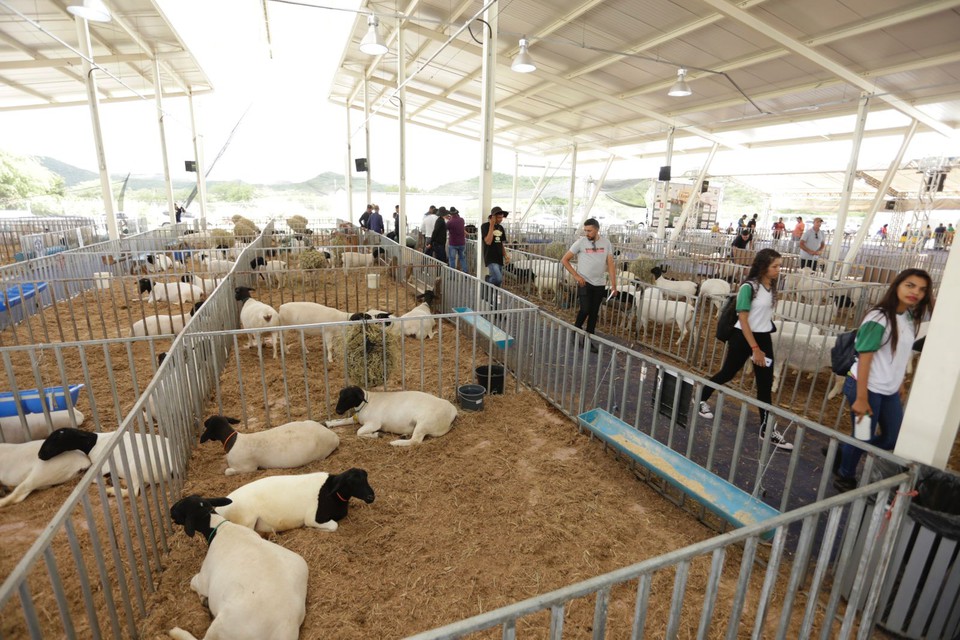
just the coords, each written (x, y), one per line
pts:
(83, 41)
(882, 190)
(664, 187)
(201, 166)
(691, 201)
(164, 159)
(573, 184)
(596, 190)
(366, 139)
(745, 18)
(487, 112)
(349, 170)
(932, 415)
(402, 121)
(849, 177)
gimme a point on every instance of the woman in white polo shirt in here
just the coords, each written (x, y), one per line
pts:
(752, 340)
(875, 382)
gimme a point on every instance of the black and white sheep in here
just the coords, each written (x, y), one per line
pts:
(278, 503)
(673, 288)
(412, 413)
(301, 313)
(290, 445)
(148, 456)
(162, 325)
(356, 259)
(257, 315)
(21, 468)
(175, 292)
(253, 587)
(417, 322)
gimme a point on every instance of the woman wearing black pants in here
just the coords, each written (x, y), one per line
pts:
(751, 338)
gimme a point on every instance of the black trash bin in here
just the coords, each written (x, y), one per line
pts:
(490, 377)
(921, 591)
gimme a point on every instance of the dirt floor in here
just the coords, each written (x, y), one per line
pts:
(512, 503)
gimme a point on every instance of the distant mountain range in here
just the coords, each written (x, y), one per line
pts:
(324, 183)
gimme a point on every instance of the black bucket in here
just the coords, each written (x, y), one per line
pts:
(490, 377)
(471, 397)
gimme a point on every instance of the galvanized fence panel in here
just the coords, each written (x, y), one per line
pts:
(115, 547)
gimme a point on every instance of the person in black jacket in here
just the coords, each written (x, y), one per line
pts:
(437, 246)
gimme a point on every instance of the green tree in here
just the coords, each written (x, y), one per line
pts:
(232, 192)
(22, 178)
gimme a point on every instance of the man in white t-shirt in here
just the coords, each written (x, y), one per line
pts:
(594, 260)
(812, 245)
(426, 227)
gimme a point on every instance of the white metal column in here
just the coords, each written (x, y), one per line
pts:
(573, 185)
(516, 180)
(878, 200)
(198, 158)
(596, 189)
(665, 188)
(93, 101)
(349, 171)
(402, 118)
(487, 105)
(851, 175)
(692, 200)
(158, 100)
(366, 136)
(932, 415)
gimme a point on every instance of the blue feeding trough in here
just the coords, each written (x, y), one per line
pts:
(18, 293)
(485, 328)
(33, 400)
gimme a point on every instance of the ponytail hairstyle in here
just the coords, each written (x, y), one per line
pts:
(762, 262)
(890, 301)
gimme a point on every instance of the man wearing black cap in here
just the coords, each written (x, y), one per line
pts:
(743, 240)
(494, 245)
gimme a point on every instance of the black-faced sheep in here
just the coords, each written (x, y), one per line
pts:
(255, 589)
(290, 445)
(412, 413)
(278, 503)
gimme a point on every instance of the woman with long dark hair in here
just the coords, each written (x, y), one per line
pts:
(751, 339)
(874, 384)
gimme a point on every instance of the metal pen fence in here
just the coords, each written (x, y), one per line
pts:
(89, 571)
(12, 231)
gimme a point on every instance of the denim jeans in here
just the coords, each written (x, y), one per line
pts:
(453, 251)
(887, 413)
(496, 273)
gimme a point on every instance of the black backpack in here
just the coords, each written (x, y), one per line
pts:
(843, 355)
(729, 315)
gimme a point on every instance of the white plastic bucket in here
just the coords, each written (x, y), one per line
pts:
(373, 281)
(102, 278)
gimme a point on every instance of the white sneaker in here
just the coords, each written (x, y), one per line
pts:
(705, 411)
(777, 439)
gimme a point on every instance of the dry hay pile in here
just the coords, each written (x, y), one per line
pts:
(244, 226)
(555, 250)
(312, 259)
(372, 354)
(222, 239)
(640, 268)
(297, 224)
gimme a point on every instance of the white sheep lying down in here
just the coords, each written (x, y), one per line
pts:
(290, 445)
(21, 468)
(147, 455)
(162, 325)
(37, 426)
(254, 588)
(424, 327)
(279, 503)
(412, 413)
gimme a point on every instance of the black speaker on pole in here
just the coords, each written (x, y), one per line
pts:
(361, 164)
(664, 174)
(704, 186)
(941, 180)
(890, 205)
(190, 165)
